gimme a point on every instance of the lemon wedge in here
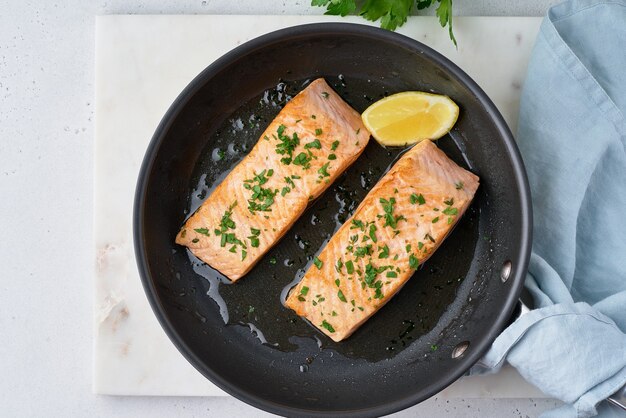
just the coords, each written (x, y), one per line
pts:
(410, 117)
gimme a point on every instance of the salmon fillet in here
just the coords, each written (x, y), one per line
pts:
(313, 139)
(399, 225)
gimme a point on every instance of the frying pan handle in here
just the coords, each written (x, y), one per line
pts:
(617, 399)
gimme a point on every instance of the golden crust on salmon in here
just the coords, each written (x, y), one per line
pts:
(312, 140)
(398, 226)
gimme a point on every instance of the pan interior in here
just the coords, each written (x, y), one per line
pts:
(240, 335)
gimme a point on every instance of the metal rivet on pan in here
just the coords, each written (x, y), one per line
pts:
(506, 271)
(460, 349)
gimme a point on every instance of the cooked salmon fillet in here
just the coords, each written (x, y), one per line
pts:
(398, 226)
(314, 138)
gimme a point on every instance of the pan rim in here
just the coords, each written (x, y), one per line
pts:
(515, 282)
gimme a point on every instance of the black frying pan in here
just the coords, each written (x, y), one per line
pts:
(240, 336)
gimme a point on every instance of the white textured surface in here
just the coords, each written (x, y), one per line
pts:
(143, 63)
(46, 162)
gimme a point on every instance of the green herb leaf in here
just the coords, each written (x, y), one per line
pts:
(350, 267)
(313, 144)
(328, 326)
(304, 290)
(413, 262)
(318, 132)
(286, 144)
(323, 171)
(332, 157)
(318, 263)
(334, 145)
(341, 296)
(450, 211)
(203, 231)
(338, 265)
(373, 233)
(392, 13)
(444, 13)
(303, 160)
(385, 252)
(435, 219)
(459, 185)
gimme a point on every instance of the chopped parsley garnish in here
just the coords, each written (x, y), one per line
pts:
(254, 237)
(459, 185)
(334, 145)
(318, 132)
(304, 290)
(417, 198)
(363, 251)
(261, 199)
(326, 324)
(450, 211)
(408, 248)
(195, 240)
(244, 254)
(323, 171)
(433, 347)
(357, 224)
(203, 231)
(333, 313)
(337, 282)
(313, 117)
(287, 144)
(373, 233)
(435, 219)
(341, 296)
(449, 202)
(303, 160)
(273, 260)
(392, 274)
(325, 95)
(332, 157)
(349, 266)
(388, 206)
(227, 223)
(318, 263)
(313, 144)
(290, 185)
(429, 237)
(384, 253)
(420, 245)
(338, 265)
(413, 262)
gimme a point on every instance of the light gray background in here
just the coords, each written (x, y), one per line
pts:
(46, 165)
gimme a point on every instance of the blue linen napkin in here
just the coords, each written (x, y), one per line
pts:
(572, 136)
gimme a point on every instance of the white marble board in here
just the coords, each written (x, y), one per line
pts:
(142, 64)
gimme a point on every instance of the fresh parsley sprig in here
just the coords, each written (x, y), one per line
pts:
(392, 13)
